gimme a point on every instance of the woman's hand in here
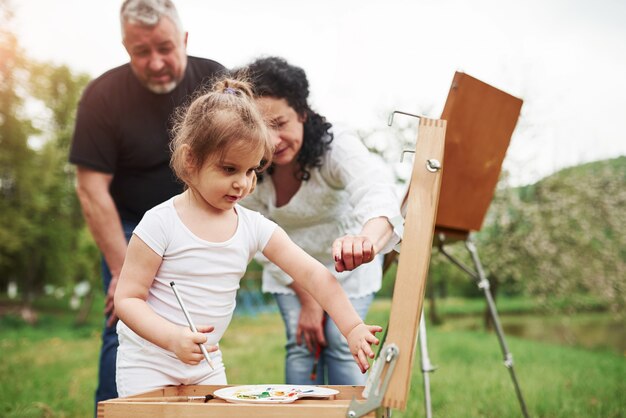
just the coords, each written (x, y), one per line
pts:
(311, 325)
(359, 340)
(185, 344)
(350, 251)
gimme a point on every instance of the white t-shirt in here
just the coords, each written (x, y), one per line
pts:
(351, 187)
(206, 274)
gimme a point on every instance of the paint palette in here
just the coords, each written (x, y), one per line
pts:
(272, 393)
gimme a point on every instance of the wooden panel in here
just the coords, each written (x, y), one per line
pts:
(408, 294)
(481, 120)
(334, 407)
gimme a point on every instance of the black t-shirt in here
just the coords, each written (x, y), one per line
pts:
(122, 128)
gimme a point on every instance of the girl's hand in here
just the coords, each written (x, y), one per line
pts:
(350, 251)
(359, 341)
(185, 344)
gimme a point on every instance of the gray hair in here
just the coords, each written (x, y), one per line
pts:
(149, 13)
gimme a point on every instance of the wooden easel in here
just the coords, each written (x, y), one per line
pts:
(389, 383)
(481, 120)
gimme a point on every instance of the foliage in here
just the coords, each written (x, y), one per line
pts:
(41, 223)
(16, 157)
(564, 234)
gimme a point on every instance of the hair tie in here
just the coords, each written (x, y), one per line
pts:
(230, 90)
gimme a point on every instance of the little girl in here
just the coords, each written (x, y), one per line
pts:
(203, 241)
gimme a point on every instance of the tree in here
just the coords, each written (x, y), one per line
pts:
(16, 157)
(563, 236)
(41, 222)
(59, 217)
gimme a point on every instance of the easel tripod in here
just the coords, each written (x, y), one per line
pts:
(477, 274)
(441, 238)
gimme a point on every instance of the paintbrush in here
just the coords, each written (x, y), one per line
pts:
(191, 325)
(204, 399)
(318, 352)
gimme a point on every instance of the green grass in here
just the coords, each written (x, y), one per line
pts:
(50, 370)
(555, 381)
(452, 306)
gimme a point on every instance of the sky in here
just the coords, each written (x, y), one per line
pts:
(364, 59)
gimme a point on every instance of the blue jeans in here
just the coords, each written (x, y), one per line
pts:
(336, 365)
(107, 388)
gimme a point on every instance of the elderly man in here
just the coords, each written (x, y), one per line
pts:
(121, 142)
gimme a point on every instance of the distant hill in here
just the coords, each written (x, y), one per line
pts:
(596, 167)
(615, 167)
(563, 235)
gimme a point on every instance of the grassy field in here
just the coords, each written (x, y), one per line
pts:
(50, 370)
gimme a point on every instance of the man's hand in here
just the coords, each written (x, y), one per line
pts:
(109, 308)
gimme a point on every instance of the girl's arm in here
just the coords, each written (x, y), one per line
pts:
(140, 267)
(317, 280)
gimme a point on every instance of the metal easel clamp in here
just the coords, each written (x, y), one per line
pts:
(377, 383)
(390, 120)
(483, 284)
(508, 360)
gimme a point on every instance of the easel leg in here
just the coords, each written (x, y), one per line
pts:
(383, 412)
(427, 367)
(483, 283)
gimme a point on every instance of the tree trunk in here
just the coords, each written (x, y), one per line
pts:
(27, 312)
(433, 315)
(85, 308)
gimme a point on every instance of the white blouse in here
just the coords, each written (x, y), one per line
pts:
(351, 187)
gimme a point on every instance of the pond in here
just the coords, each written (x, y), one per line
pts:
(594, 330)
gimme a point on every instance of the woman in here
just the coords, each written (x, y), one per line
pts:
(334, 199)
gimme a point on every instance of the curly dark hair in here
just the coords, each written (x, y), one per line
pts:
(275, 77)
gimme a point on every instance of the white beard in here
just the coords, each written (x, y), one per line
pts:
(162, 88)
